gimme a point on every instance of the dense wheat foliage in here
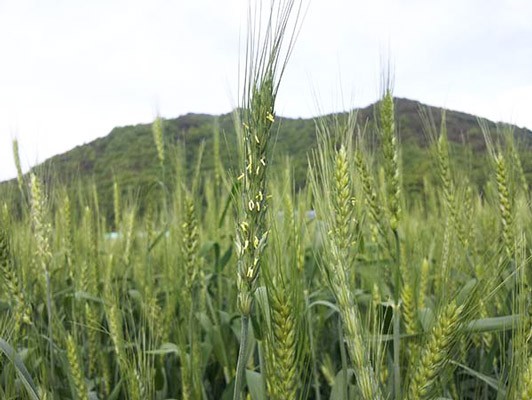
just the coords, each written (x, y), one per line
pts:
(235, 285)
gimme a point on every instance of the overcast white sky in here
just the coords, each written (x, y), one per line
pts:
(72, 70)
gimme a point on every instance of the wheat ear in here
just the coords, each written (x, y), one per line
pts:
(435, 353)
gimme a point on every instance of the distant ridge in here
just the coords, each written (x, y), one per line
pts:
(128, 153)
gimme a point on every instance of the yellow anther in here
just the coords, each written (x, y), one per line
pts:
(270, 117)
(250, 273)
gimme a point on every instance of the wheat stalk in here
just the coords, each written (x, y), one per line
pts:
(157, 131)
(12, 283)
(75, 369)
(117, 205)
(283, 277)
(190, 364)
(264, 67)
(336, 186)
(505, 205)
(282, 382)
(391, 158)
(20, 177)
(435, 353)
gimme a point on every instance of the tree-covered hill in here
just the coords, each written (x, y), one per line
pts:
(128, 154)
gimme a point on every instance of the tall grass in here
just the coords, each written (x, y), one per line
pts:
(235, 285)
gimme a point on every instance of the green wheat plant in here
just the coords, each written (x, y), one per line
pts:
(266, 58)
(231, 278)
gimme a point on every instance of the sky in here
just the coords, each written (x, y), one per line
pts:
(72, 70)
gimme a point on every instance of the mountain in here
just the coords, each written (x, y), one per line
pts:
(128, 153)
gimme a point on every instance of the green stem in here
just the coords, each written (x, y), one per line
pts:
(397, 275)
(241, 364)
(312, 348)
(192, 346)
(343, 357)
(397, 320)
(50, 330)
(396, 351)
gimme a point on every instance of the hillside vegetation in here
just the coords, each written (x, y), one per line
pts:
(128, 156)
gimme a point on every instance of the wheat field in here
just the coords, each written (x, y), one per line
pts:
(238, 285)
